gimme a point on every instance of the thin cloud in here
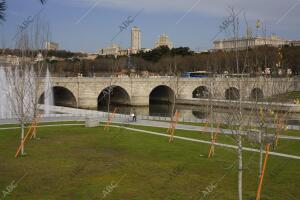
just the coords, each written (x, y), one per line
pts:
(255, 8)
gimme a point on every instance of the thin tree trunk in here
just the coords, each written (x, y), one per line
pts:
(211, 116)
(22, 138)
(240, 174)
(260, 154)
(108, 104)
(240, 145)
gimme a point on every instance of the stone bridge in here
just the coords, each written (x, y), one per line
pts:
(86, 92)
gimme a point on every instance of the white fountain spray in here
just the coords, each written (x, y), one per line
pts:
(17, 93)
(29, 91)
(48, 93)
(4, 107)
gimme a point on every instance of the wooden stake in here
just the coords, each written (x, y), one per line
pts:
(212, 147)
(263, 172)
(279, 127)
(206, 126)
(173, 124)
(110, 119)
(28, 134)
(35, 126)
(34, 130)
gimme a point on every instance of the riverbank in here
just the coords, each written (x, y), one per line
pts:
(249, 105)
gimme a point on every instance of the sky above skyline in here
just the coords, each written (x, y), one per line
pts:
(87, 25)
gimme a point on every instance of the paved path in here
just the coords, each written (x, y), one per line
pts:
(125, 119)
(192, 128)
(177, 137)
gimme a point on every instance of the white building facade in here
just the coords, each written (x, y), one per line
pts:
(112, 49)
(251, 42)
(51, 46)
(295, 43)
(163, 41)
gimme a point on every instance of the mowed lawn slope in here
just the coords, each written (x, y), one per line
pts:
(79, 163)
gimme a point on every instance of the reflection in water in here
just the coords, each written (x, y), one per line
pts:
(186, 112)
(155, 109)
(293, 122)
(161, 109)
(122, 109)
(199, 114)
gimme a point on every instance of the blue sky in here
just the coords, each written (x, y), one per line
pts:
(87, 25)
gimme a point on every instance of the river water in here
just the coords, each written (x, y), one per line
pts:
(192, 113)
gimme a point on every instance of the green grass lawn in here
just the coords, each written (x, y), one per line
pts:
(285, 146)
(80, 163)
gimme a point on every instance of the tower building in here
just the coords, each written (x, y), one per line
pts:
(135, 39)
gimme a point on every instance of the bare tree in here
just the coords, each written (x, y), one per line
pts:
(235, 28)
(239, 119)
(24, 79)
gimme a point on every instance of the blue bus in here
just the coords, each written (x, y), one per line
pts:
(197, 74)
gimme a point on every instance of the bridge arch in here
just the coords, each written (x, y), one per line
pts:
(62, 97)
(116, 94)
(162, 93)
(232, 93)
(256, 94)
(201, 92)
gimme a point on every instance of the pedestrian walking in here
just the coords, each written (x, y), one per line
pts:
(134, 116)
